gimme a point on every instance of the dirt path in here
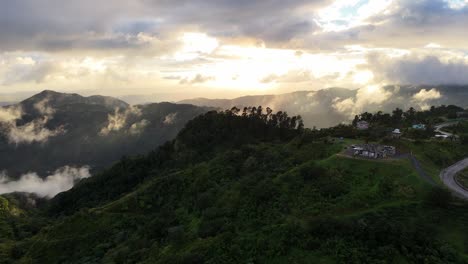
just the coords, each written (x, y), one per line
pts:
(448, 178)
(417, 166)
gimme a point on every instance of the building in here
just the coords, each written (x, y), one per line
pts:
(373, 151)
(396, 133)
(419, 126)
(362, 125)
(462, 114)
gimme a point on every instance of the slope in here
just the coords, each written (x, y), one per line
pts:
(237, 189)
(51, 130)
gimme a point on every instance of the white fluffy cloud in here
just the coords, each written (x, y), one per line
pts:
(426, 95)
(61, 180)
(33, 131)
(170, 119)
(9, 114)
(366, 98)
(423, 97)
(119, 120)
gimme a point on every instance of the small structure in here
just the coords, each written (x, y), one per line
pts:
(396, 133)
(373, 151)
(462, 114)
(419, 126)
(362, 125)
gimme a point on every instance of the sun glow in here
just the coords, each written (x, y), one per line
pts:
(194, 45)
(363, 77)
(257, 67)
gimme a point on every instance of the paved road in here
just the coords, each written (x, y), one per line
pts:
(438, 128)
(448, 178)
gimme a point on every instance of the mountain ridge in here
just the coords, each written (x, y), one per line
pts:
(51, 129)
(329, 107)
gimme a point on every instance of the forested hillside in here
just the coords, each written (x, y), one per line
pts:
(248, 186)
(51, 130)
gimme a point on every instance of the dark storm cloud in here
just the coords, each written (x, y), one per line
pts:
(426, 70)
(270, 20)
(55, 24)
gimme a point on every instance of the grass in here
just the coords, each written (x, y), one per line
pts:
(436, 155)
(367, 181)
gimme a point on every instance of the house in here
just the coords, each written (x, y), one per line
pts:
(396, 133)
(362, 125)
(419, 126)
(462, 114)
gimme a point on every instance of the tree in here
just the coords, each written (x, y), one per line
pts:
(397, 116)
(439, 197)
(355, 120)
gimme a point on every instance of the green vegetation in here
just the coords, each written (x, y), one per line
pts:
(460, 129)
(83, 118)
(383, 123)
(253, 187)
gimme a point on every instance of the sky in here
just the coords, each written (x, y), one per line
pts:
(225, 48)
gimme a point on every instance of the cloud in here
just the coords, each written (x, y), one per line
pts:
(52, 24)
(134, 44)
(118, 120)
(44, 108)
(196, 79)
(423, 97)
(61, 180)
(372, 96)
(138, 127)
(404, 24)
(426, 95)
(34, 72)
(10, 114)
(33, 131)
(420, 69)
(170, 119)
(295, 76)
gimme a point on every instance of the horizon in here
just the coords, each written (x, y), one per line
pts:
(134, 99)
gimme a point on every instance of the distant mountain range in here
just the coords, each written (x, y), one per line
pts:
(328, 107)
(51, 130)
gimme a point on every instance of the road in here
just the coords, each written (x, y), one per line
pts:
(438, 128)
(448, 178)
